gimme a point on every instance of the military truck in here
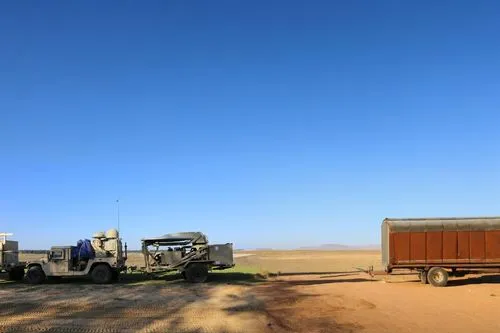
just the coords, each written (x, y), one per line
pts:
(101, 259)
(9, 258)
(186, 252)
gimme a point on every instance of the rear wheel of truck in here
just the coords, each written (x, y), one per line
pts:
(422, 275)
(196, 273)
(16, 274)
(101, 274)
(35, 275)
(438, 277)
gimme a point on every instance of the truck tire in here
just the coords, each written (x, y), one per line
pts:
(196, 273)
(115, 275)
(101, 274)
(35, 275)
(16, 274)
(422, 275)
(438, 277)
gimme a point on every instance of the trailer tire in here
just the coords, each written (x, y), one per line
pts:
(35, 275)
(196, 273)
(438, 277)
(423, 277)
(115, 275)
(101, 274)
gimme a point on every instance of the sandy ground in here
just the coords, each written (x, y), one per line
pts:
(295, 301)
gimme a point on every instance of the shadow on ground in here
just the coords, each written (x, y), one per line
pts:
(290, 310)
(326, 281)
(484, 279)
(168, 304)
(312, 273)
(136, 303)
(218, 277)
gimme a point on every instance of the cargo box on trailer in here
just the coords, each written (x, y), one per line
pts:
(439, 247)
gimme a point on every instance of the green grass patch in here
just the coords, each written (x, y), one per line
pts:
(240, 269)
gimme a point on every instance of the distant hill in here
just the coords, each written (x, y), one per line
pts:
(340, 247)
(323, 247)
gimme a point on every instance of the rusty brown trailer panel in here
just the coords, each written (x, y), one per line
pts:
(445, 242)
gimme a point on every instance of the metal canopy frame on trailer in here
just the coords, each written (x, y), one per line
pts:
(180, 239)
(196, 240)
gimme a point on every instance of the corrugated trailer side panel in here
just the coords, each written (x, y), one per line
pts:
(450, 246)
(477, 246)
(492, 245)
(401, 246)
(417, 247)
(434, 247)
(463, 241)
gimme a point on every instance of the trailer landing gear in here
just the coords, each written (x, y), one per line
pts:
(422, 275)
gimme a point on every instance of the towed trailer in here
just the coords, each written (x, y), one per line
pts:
(438, 248)
(9, 258)
(188, 253)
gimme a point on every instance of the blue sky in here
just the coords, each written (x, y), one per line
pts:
(263, 123)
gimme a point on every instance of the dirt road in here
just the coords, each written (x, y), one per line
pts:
(345, 303)
(336, 302)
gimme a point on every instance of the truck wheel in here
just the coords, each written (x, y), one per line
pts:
(423, 277)
(437, 276)
(115, 275)
(35, 275)
(183, 274)
(196, 273)
(16, 274)
(101, 274)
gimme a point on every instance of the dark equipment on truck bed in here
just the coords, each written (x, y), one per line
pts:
(9, 258)
(441, 247)
(187, 252)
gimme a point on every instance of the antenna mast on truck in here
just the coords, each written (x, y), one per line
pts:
(118, 213)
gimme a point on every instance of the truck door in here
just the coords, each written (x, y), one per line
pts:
(59, 261)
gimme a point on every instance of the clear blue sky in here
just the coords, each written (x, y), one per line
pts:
(264, 123)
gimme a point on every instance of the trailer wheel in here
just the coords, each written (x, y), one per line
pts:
(16, 274)
(35, 275)
(438, 277)
(423, 277)
(196, 273)
(101, 274)
(115, 275)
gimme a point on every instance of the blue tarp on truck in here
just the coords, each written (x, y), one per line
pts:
(83, 250)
